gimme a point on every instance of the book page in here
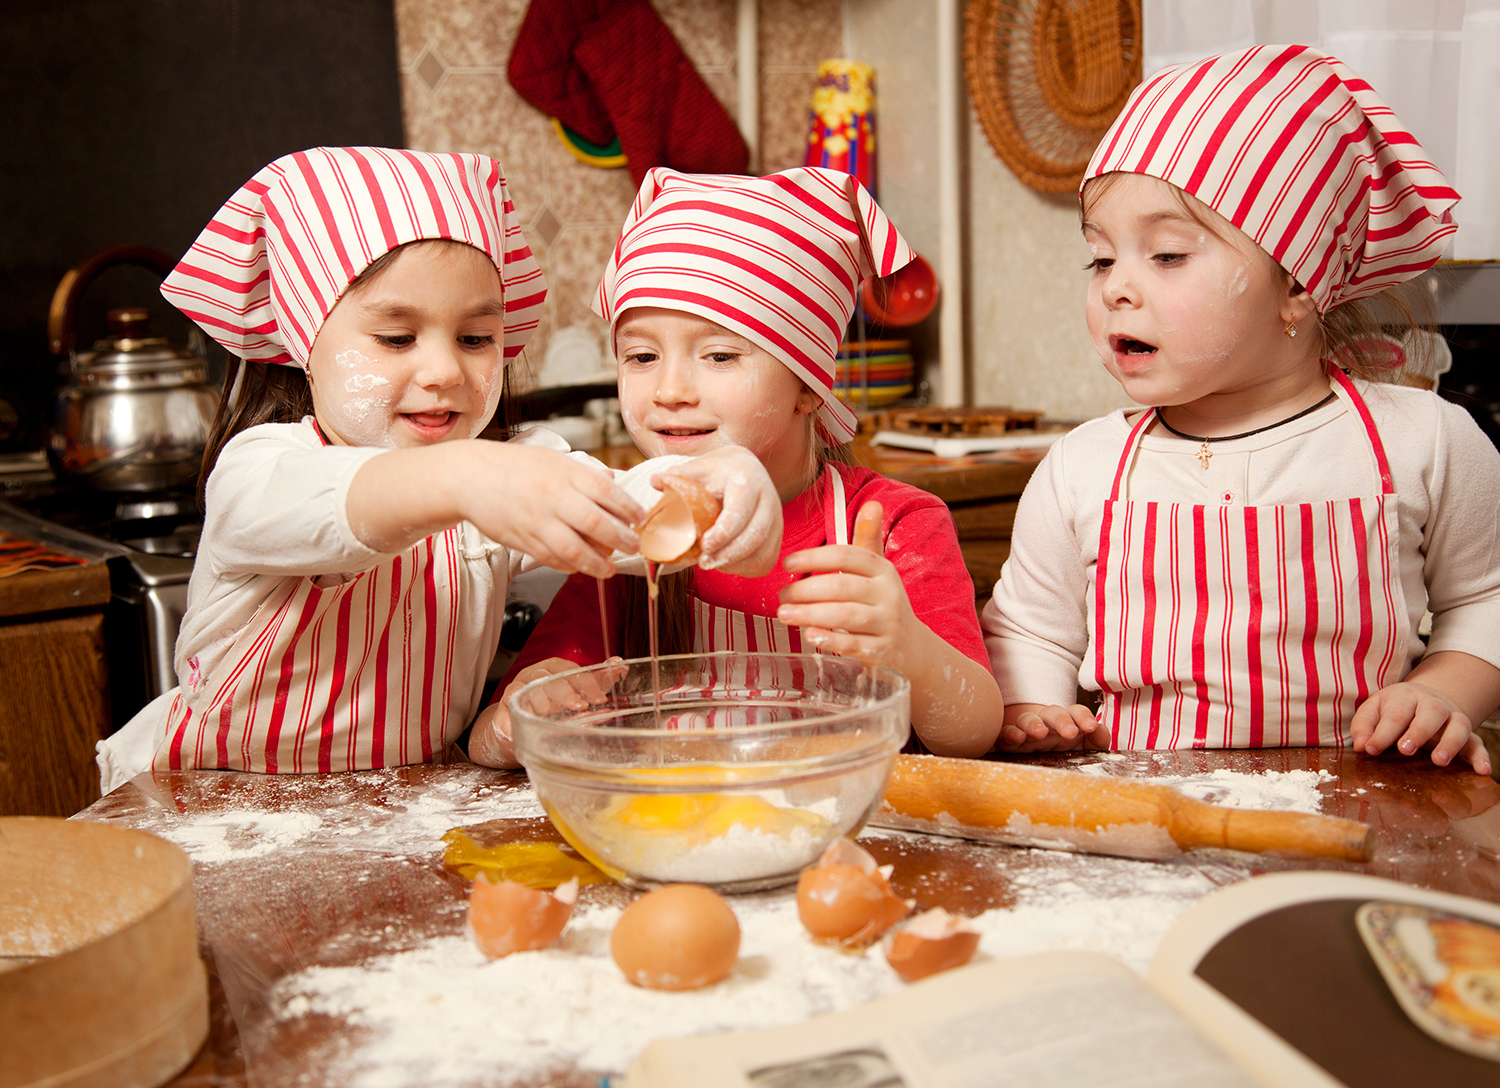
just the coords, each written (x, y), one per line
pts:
(1275, 971)
(1056, 1020)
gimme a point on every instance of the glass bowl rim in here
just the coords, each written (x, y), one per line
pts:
(901, 689)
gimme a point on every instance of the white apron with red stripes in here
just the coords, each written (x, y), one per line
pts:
(350, 676)
(1246, 626)
(716, 628)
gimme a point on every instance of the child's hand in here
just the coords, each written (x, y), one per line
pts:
(745, 539)
(853, 602)
(562, 513)
(491, 743)
(1031, 727)
(1413, 716)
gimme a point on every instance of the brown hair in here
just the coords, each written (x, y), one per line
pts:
(281, 393)
(674, 605)
(1357, 335)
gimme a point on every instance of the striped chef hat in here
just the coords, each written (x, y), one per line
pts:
(1298, 152)
(267, 270)
(776, 259)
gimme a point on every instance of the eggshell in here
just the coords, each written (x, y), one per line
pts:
(931, 942)
(507, 917)
(679, 937)
(846, 899)
(672, 529)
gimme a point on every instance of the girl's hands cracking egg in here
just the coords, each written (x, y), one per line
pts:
(745, 538)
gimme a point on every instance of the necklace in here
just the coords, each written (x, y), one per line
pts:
(1204, 453)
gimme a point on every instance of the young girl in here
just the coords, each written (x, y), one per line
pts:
(358, 536)
(727, 298)
(1244, 564)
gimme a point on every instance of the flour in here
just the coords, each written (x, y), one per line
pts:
(234, 836)
(1292, 791)
(741, 853)
(440, 1014)
(321, 810)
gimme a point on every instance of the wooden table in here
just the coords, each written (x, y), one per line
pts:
(364, 876)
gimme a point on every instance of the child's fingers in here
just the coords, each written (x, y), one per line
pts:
(1428, 719)
(1476, 755)
(867, 528)
(1451, 739)
(833, 557)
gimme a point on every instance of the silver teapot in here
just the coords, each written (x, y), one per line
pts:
(134, 413)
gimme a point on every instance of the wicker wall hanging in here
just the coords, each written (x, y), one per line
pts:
(1047, 77)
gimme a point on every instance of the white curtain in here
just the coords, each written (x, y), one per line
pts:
(1436, 62)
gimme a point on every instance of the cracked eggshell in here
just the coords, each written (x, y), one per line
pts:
(672, 529)
(678, 937)
(507, 917)
(931, 942)
(846, 899)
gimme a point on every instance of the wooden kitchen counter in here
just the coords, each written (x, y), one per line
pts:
(54, 698)
(297, 872)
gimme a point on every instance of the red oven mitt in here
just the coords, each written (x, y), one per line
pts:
(625, 62)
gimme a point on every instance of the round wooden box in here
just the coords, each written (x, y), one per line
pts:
(100, 980)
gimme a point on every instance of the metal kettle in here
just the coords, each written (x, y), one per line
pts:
(134, 413)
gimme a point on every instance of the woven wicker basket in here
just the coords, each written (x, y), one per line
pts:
(1047, 77)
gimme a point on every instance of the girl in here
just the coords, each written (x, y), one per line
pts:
(1245, 563)
(726, 298)
(358, 537)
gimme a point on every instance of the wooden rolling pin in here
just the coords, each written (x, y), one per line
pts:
(1065, 810)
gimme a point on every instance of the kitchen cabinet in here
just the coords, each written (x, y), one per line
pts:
(54, 689)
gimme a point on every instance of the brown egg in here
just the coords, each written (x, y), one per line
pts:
(931, 942)
(679, 937)
(506, 917)
(672, 529)
(846, 899)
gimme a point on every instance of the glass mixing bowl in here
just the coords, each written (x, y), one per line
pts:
(752, 764)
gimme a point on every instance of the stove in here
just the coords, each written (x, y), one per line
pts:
(148, 541)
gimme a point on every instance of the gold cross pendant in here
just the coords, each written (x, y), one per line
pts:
(1204, 453)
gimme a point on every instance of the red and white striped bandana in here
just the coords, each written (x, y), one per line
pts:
(267, 270)
(1298, 152)
(776, 259)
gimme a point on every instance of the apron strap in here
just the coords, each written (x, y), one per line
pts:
(1344, 386)
(840, 512)
(1128, 453)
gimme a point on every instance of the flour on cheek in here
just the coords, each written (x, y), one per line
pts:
(359, 406)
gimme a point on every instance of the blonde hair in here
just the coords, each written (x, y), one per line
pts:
(1371, 338)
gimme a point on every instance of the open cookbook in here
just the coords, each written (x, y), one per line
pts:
(1291, 980)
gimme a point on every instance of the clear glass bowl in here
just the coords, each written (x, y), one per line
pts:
(755, 763)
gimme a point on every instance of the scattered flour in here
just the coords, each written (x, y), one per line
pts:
(1293, 791)
(323, 811)
(233, 836)
(440, 1014)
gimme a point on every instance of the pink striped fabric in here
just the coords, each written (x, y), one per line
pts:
(1298, 152)
(267, 270)
(356, 676)
(776, 259)
(1246, 626)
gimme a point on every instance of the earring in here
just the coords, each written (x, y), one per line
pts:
(1290, 328)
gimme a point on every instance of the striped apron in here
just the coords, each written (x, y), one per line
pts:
(1246, 626)
(350, 676)
(716, 628)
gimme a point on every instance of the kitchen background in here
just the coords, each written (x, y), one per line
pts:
(142, 118)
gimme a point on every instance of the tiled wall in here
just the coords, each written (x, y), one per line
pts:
(455, 97)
